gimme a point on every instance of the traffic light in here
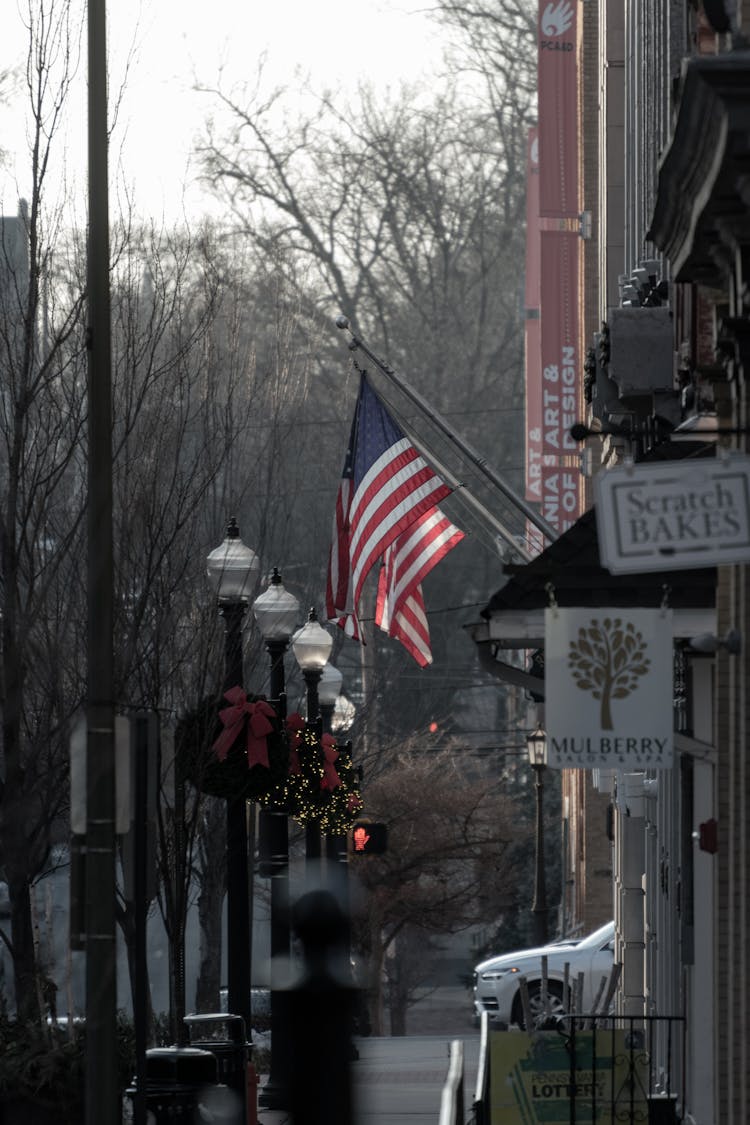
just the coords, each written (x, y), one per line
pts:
(369, 838)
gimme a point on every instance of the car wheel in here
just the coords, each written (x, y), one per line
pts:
(539, 1012)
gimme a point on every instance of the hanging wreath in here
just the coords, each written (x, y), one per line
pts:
(233, 747)
(321, 784)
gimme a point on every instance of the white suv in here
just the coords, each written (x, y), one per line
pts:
(496, 981)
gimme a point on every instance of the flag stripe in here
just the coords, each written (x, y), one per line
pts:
(387, 523)
(392, 490)
(400, 603)
(412, 630)
(422, 549)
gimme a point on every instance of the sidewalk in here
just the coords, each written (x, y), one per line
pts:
(399, 1081)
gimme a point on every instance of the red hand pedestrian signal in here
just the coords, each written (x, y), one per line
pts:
(369, 838)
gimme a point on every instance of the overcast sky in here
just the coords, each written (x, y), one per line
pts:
(335, 42)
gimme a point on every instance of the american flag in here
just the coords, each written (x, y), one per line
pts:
(386, 485)
(400, 608)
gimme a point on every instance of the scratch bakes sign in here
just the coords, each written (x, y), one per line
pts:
(608, 688)
(684, 514)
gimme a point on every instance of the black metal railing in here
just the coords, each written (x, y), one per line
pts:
(636, 1065)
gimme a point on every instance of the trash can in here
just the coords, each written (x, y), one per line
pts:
(223, 1035)
(177, 1080)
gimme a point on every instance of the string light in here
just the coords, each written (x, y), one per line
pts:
(322, 785)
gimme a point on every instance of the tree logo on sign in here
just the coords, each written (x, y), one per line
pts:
(607, 659)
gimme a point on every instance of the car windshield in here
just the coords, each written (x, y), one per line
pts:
(598, 938)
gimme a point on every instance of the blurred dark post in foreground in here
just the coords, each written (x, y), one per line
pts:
(321, 1008)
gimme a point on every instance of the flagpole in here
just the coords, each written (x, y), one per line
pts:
(496, 524)
(477, 460)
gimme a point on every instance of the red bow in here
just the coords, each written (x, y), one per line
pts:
(330, 778)
(295, 724)
(259, 726)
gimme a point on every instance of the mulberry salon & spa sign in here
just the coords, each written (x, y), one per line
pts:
(608, 688)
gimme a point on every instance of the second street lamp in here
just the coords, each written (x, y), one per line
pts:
(277, 613)
(536, 745)
(232, 569)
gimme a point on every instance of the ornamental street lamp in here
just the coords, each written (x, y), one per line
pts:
(344, 713)
(232, 568)
(277, 612)
(312, 646)
(536, 745)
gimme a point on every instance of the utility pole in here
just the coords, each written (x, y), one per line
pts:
(102, 1103)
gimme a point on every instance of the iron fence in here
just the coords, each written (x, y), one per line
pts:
(637, 1064)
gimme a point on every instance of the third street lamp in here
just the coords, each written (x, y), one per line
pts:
(312, 646)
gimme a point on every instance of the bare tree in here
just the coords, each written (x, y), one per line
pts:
(445, 834)
(408, 213)
(497, 44)
(211, 871)
(42, 414)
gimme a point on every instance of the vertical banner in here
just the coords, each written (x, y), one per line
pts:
(557, 222)
(558, 108)
(609, 688)
(559, 341)
(561, 495)
(559, 326)
(532, 339)
(554, 228)
(533, 368)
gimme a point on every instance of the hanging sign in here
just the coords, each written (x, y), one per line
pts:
(608, 687)
(681, 514)
(534, 1078)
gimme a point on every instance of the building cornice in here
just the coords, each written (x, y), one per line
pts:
(702, 206)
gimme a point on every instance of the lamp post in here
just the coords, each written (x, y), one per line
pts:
(312, 646)
(329, 689)
(231, 569)
(277, 611)
(536, 745)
